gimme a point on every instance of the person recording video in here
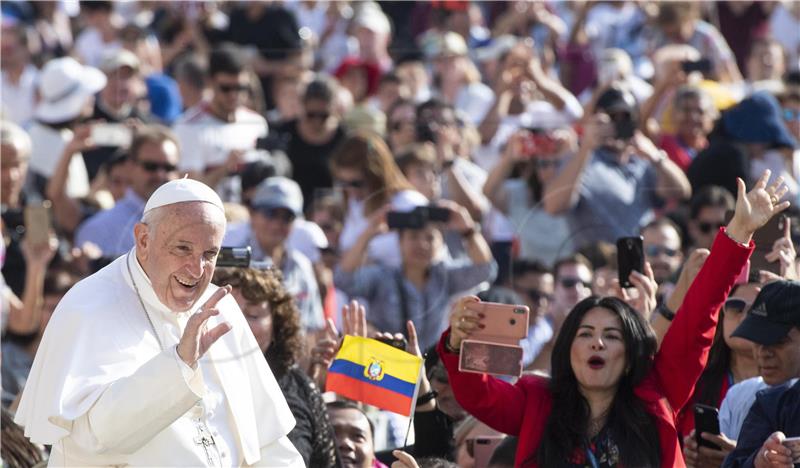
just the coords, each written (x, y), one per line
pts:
(420, 289)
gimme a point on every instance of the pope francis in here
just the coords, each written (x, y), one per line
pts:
(146, 363)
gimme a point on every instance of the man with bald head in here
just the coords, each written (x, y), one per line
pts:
(145, 363)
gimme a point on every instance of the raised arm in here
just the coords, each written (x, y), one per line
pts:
(66, 210)
(495, 402)
(684, 350)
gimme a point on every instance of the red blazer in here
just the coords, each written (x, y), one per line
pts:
(522, 409)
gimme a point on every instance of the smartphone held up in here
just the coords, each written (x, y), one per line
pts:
(495, 348)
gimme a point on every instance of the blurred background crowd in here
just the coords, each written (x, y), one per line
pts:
(545, 130)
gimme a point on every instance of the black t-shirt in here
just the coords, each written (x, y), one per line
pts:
(14, 266)
(309, 161)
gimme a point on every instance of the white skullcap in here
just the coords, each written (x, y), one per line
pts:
(183, 190)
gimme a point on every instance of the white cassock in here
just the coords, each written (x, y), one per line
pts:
(102, 392)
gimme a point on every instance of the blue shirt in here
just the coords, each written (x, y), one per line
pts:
(615, 200)
(427, 308)
(112, 230)
(775, 409)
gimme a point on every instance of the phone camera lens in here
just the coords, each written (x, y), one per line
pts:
(513, 321)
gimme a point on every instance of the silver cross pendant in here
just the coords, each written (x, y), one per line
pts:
(206, 440)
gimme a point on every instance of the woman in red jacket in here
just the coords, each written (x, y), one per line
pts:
(612, 399)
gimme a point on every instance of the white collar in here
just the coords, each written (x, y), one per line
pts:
(146, 292)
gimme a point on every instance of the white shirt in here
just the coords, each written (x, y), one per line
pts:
(103, 392)
(206, 141)
(90, 48)
(384, 248)
(17, 101)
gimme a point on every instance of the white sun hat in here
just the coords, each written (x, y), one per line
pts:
(64, 86)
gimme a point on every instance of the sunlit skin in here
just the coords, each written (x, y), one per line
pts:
(732, 319)
(400, 128)
(269, 233)
(353, 438)
(541, 282)
(663, 237)
(259, 318)
(229, 93)
(118, 181)
(712, 215)
(780, 362)
(693, 121)
(569, 296)
(144, 182)
(179, 252)
(349, 174)
(597, 354)
(13, 169)
(419, 246)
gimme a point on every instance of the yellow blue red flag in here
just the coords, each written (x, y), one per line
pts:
(375, 373)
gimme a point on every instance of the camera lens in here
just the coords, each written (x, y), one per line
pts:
(513, 321)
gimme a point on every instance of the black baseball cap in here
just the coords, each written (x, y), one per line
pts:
(775, 311)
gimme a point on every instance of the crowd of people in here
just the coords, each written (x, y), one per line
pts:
(387, 164)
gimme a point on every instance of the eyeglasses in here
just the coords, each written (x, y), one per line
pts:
(735, 305)
(572, 282)
(323, 116)
(355, 184)
(280, 214)
(791, 115)
(656, 250)
(151, 166)
(707, 228)
(229, 88)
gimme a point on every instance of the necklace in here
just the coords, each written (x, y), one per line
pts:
(141, 302)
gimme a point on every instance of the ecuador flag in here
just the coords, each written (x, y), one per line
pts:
(375, 373)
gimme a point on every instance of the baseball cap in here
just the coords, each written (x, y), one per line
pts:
(117, 58)
(775, 311)
(757, 119)
(279, 192)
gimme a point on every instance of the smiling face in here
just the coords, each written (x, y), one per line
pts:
(597, 354)
(259, 318)
(178, 250)
(353, 437)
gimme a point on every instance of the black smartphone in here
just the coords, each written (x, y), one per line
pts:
(703, 65)
(630, 257)
(414, 219)
(706, 419)
(399, 344)
(437, 214)
(764, 238)
(238, 257)
(624, 129)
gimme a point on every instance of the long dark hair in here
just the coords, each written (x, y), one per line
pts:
(631, 426)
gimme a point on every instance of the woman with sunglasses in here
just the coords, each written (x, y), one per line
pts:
(364, 169)
(515, 186)
(613, 396)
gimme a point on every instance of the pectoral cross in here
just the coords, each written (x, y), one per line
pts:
(205, 440)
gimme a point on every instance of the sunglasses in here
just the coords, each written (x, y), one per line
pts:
(537, 296)
(279, 214)
(656, 250)
(791, 115)
(229, 88)
(151, 166)
(707, 228)
(397, 126)
(572, 282)
(323, 116)
(355, 184)
(736, 306)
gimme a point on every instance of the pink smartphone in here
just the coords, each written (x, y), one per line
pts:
(484, 357)
(483, 447)
(504, 323)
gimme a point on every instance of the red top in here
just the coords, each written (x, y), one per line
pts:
(685, 421)
(522, 409)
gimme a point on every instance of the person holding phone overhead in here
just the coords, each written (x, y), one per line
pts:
(617, 177)
(613, 395)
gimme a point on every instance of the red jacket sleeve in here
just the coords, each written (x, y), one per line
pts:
(496, 403)
(684, 350)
